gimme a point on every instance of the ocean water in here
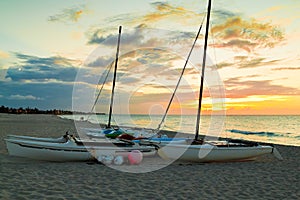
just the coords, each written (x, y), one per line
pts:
(282, 129)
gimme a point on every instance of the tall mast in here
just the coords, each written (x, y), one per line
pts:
(203, 70)
(114, 80)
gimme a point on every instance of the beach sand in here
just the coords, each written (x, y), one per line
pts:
(264, 178)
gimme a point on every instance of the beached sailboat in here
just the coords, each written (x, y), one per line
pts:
(110, 131)
(70, 148)
(198, 150)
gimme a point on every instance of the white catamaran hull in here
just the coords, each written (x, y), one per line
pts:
(61, 139)
(212, 153)
(69, 151)
(47, 151)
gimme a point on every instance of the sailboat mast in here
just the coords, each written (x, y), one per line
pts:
(203, 70)
(114, 80)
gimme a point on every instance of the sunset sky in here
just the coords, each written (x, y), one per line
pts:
(53, 54)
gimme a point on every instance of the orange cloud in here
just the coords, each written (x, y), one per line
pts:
(77, 15)
(247, 62)
(247, 35)
(69, 14)
(165, 11)
(241, 87)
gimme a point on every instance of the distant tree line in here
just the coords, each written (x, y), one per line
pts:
(28, 110)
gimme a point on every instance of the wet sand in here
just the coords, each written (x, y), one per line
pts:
(264, 178)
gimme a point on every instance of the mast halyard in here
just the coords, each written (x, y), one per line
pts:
(114, 80)
(203, 70)
(179, 80)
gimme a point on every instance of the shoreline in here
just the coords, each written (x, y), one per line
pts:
(70, 125)
(172, 133)
(263, 178)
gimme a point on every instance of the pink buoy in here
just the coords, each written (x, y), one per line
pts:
(135, 157)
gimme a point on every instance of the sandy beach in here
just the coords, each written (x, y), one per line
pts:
(264, 178)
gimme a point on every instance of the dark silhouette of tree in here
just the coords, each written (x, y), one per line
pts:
(29, 110)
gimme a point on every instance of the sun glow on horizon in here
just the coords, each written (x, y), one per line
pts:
(254, 48)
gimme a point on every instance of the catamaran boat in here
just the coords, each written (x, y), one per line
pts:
(70, 148)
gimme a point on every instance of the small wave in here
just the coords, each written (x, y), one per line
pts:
(263, 133)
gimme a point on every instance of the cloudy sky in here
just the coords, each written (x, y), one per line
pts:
(54, 53)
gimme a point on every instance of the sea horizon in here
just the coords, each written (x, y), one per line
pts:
(277, 129)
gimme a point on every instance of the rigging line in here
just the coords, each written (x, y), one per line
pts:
(179, 80)
(98, 95)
